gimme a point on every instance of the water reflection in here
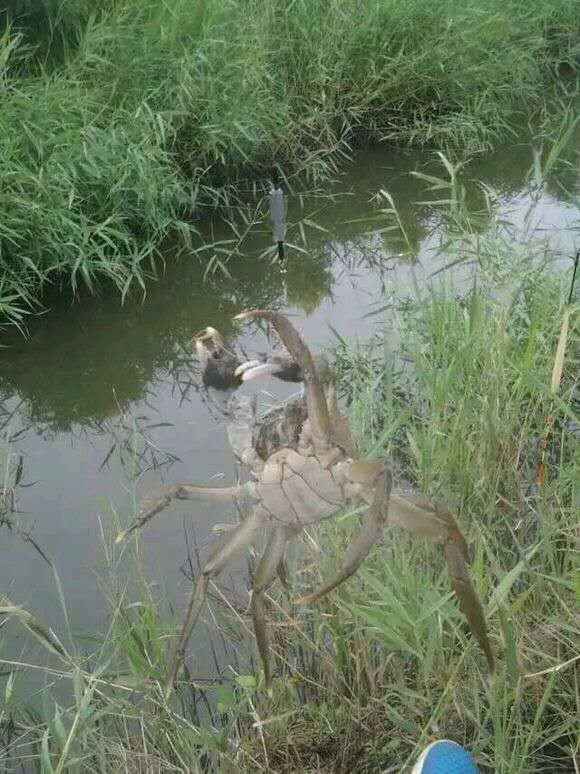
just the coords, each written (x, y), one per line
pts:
(93, 360)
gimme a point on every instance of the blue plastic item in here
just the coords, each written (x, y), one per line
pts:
(445, 757)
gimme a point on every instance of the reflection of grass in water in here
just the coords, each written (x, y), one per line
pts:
(308, 281)
(128, 114)
(12, 471)
(385, 664)
(118, 353)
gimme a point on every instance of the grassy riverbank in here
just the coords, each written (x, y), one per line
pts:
(456, 389)
(120, 118)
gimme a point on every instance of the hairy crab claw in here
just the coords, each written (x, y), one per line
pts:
(221, 367)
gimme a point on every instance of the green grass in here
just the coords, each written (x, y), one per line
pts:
(394, 668)
(455, 390)
(120, 118)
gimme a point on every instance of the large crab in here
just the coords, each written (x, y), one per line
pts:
(301, 484)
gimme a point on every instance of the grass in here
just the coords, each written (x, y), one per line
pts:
(120, 118)
(461, 414)
(456, 389)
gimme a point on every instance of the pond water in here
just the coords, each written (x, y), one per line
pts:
(90, 371)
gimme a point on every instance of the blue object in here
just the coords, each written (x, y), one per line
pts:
(445, 757)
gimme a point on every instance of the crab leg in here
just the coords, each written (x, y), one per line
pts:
(420, 517)
(251, 370)
(316, 402)
(151, 506)
(371, 533)
(233, 543)
(469, 602)
(341, 433)
(270, 563)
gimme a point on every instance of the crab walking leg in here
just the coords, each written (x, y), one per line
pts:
(467, 597)
(233, 543)
(282, 574)
(241, 432)
(372, 532)
(272, 559)
(254, 370)
(420, 517)
(152, 505)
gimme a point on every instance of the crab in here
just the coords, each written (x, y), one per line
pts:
(313, 478)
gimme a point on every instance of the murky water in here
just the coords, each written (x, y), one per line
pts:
(89, 370)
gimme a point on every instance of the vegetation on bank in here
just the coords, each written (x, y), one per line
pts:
(456, 389)
(119, 118)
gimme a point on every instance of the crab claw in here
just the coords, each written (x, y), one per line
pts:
(209, 334)
(216, 342)
(282, 367)
(318, 413)
(217, 364)
(423, 519)
(249, 365)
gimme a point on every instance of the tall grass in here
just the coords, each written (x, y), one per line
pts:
(50, 27)
(119, 119)
(455, 390)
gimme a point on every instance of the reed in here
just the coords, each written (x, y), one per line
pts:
(119, 119)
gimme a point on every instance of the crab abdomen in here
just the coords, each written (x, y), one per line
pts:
(298, 490)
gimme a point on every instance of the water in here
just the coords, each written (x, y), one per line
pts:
(89, 371)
